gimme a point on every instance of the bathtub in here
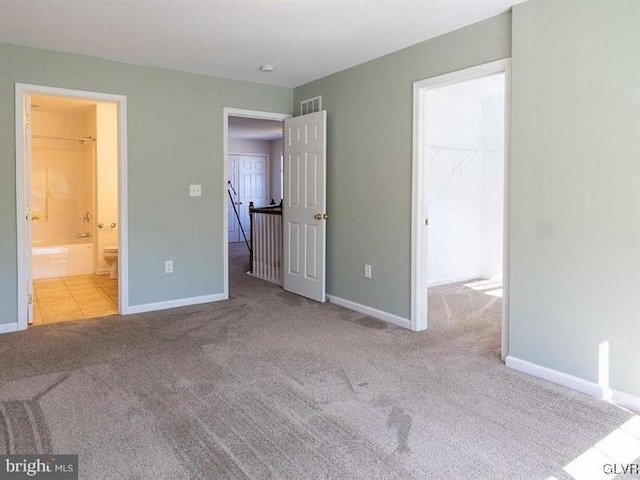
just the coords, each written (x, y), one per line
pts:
(63, 260)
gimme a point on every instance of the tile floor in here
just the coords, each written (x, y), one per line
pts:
(72, 298)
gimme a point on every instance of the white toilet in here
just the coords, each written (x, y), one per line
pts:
(110, 255)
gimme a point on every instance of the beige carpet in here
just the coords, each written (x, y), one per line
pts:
(270, 385)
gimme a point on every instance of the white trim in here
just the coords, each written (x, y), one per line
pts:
(372, 312)
(22, 89)
(9, 327)
(226, 113)
(506, 207)
(180, 302)
(419, 287)
(590, 388)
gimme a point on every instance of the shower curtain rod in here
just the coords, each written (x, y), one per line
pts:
(79, 139)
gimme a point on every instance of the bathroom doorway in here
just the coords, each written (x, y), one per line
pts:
(70, 170)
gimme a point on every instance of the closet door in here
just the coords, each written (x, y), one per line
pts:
(234, 234)
(252, 174)
(248, 176)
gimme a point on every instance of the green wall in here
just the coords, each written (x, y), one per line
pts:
(175, 138)
(575, 180)
(575, 188)
(369, 109)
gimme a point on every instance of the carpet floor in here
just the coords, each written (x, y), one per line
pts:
(271, 385)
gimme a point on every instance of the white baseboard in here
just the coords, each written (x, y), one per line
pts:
(9, 327)
(180, 302)
(372, 312)
(593, 389)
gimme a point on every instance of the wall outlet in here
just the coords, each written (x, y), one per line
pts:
(195, 190)
(168, 266)
(367, 270)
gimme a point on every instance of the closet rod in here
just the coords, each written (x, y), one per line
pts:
(78, 139)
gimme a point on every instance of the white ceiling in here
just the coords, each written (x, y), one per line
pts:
(255, 129)
(304, 39)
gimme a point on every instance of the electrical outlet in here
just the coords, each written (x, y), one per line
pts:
(168, 266)
(367, 270)
(195, 190)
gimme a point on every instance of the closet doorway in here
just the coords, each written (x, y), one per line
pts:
(460, 239)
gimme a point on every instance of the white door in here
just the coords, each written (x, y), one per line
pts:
(252, 176)
(232, 201)
(28, 216)
(304, 206)
(248, 177)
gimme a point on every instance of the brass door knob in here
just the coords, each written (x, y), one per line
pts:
(321, 216)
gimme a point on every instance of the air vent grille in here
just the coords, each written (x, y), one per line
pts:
(311, 105)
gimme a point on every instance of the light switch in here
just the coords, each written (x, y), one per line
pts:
(195, 190)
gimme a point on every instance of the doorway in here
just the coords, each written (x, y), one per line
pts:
(253, 149)
(71, 174)
(460, 187)
(254, 164)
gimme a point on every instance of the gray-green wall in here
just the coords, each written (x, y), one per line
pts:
(174, 137)
(369, 109)
(575, 182)
(575, 188)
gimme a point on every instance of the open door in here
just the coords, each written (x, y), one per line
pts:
(304, 205)
(29, 214)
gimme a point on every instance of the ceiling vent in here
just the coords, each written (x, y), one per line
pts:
(311, 105)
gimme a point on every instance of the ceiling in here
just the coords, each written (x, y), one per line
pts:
(304, 39)
(255, 129)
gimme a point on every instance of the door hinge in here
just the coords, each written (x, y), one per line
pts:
(30, 299)
(27, 120)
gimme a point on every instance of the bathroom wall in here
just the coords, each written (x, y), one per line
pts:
(62, 177)
(107, 180)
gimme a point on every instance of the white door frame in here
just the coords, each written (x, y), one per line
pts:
(419, 282)
(226, 113)
(21, 90)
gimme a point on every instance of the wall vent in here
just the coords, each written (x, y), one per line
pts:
(311, 105)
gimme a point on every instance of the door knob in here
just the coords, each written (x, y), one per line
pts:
(321, 216)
